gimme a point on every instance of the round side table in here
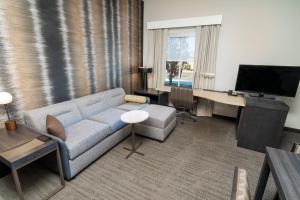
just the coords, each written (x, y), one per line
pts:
(134, 117)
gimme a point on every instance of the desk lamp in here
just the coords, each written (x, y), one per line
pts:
(6, 98)
(144, 71)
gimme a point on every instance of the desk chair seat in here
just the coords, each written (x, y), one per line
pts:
(240, 186)
(183, 100)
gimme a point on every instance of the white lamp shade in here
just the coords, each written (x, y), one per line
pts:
(5, 98)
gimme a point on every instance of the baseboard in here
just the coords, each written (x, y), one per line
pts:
(295, 130)
(223, 117)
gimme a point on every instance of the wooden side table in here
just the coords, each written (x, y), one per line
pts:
(21, 155)
(284, 167)
(156, 96)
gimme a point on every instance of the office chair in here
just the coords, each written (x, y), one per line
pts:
(183, 100)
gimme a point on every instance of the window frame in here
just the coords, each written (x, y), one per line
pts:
(179, 32)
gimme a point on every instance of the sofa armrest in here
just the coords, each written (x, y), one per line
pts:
(60, 141)
(64, 153)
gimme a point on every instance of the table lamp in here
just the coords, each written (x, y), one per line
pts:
(6, 98)
(144, 76)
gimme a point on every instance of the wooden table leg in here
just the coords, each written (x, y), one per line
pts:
(61, 173)
(133, 139)
(262, 181)
(17, 183)
(238, 117)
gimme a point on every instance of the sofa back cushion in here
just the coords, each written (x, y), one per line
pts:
(91, 104)
(114, 97)
(66, 112)
(96, 103)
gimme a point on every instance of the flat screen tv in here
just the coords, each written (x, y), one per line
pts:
(274, 80)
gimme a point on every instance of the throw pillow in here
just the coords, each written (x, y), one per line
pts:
(135, 98)
(55, 127)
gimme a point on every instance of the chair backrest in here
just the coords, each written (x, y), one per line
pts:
(296, 148)
(240, 185)
(182, 97)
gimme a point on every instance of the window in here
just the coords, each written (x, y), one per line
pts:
(180, 57)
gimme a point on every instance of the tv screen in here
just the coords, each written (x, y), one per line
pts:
(275, 80)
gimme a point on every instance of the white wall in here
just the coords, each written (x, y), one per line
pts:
(253, 32)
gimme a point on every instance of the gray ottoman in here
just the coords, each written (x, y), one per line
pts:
(161, 121)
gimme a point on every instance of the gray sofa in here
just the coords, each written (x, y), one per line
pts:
(93, 126)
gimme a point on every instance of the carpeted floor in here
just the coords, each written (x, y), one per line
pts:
(195, 162)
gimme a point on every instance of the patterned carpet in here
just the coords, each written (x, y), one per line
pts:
(195, 162)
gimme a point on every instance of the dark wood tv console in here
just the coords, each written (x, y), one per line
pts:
(261, 123)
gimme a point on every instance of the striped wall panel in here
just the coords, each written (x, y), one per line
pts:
(55, 50)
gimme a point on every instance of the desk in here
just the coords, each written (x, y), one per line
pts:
(220, 97)
(284, 167)
(155, 96)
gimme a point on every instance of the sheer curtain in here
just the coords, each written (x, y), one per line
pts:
(207, 38)
(155, 55)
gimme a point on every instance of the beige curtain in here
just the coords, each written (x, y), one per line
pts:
(207, 38)
(155, 51)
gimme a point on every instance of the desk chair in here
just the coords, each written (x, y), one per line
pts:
(183, 100)
(240, 185)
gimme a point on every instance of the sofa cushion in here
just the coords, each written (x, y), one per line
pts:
(131, 106)
(83, 135)
(93, 104)
(159, 116)
(66, 112)
(112, 117)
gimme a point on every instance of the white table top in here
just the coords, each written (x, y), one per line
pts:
(134, 116)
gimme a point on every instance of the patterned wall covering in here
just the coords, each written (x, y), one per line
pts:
(56, 50)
